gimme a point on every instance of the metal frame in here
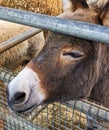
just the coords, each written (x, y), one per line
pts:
(68, 27)
(18, 39)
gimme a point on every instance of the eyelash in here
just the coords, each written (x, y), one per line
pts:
(73, 54)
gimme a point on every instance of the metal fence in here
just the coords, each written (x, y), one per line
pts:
(72, 115)
(56, 24)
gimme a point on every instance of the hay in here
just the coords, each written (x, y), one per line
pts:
(50, 7)
(58, 116)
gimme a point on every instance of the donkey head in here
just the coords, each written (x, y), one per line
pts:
(66, 68)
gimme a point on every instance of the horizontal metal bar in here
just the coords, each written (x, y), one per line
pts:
(90, 108)
(63, 26)
(6, 75)
(18, 39)
(86, 107)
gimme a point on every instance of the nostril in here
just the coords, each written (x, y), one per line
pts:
(19, 97)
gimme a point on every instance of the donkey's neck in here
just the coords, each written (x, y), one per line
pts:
(100, 92)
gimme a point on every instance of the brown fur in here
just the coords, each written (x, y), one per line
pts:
(105, 14)
(103, 6)
(86, 78)
(79, 4)
(66, 68)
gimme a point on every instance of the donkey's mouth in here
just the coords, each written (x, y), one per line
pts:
(27, 106)
(30, 109)
(22, 109)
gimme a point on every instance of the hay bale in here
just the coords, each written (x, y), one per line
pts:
(21, 53)
(50, 7)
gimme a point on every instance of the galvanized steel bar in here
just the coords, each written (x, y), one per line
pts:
(90, 108)
(18, 39)
(6, 75)
(67, 27)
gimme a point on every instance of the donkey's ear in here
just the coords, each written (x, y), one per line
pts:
(72, 5)
(104, 16)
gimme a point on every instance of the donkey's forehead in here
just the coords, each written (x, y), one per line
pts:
(58, 40)
(86, 15)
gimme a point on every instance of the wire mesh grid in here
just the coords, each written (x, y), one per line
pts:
(72, 115)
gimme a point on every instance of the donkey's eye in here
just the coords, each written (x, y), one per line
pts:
(73, 54)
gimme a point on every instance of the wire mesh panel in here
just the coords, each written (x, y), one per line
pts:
(72, 115)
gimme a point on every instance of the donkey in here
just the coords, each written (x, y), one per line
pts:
(66, 68)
